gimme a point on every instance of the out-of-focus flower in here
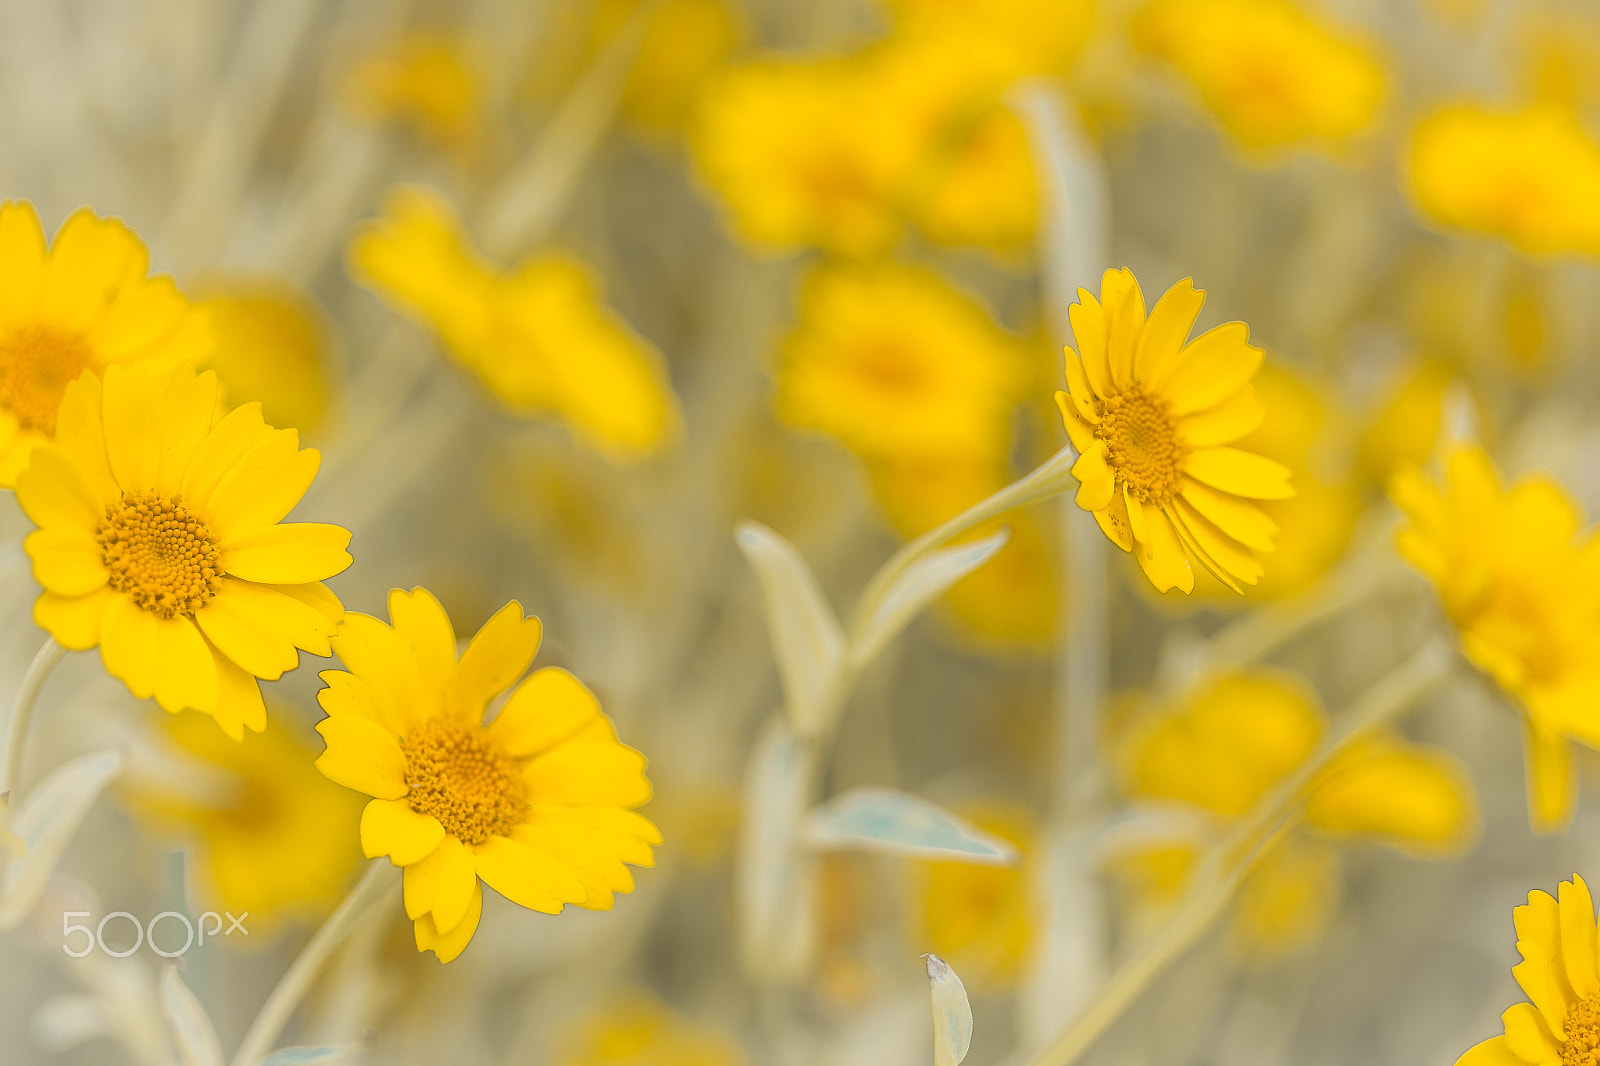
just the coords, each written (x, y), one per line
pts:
(1151, 413)
(271, 835)
(424, 81)
(641, 1032)
(893, 362)
(685, 42)
(1523, 590)
(84, 303)
(1228, 743)
(982, 919)
(1017, 38)
(1556, 939)
(272, 347)
(1271, 74)
(980, 189)
(537, 337)
(1531, 177)
(537, 803)
(1406, 425)
(162, 541)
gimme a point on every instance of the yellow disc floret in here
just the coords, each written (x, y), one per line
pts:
(160, 554)
(36, 363)
(1143, 447)
(1582, 1046)
(459, 777)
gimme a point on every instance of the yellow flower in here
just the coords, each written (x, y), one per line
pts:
(637, 1031)
(685, 42)
(1151, 414)
(424, 81)
(981, 190)
(1017, 37)
(982, 919)
(161, 539)
(272, 346)
(1271, 75)
(1531, 177)
(1523, 590)
(1557, 942)
(538, 337)
(85, 303)
(536, 804)
(892, 361)
(273, 836)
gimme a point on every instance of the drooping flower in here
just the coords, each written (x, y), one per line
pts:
(85, 302)
(537, 337)
(1561, 1025)
(1531, 177)
(1152, 412)
(1522, 587)
(537, 804)
(161, 540)
(1271, 74)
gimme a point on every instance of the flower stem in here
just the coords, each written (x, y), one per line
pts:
(1228, 863)
(296, 980)
(44, 661)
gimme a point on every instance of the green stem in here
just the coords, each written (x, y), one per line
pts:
(44, 661)
(296, 980)
(1228, 863)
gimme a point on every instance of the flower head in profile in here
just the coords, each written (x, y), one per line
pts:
(537, 804)
(161, 540)
(1522, 587)
(83, 303)
(1152, 413)
(1530, 177)
(1561, 1025)
(1271, 74)
(537, 337)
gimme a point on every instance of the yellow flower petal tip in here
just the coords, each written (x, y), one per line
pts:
(1152, 413)
(537, 804)
(161, 541)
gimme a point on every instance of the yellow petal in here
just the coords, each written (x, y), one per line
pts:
(1409, 795)
(1240, 519)
(1528, 1037)
(1088, 321)
(1124, 304)
(545, 710)
(187, 406)
(381, 660)
(446, 946)
(626, 834)
(229, 441)
(133, 437)
(1552, 787)
(1241, 473)
(1096, 483)
(1211, 368)
(22, 253)
(187, 676)
(1113, 521)
(90, 259)
(74, 620)
(1223, 550)
(1162, 339)
(1138, 522)
(497, 656)
(239, 705)
(364, 756)
(53, 493)
(1492, 1052)
(1225, 423)
(422, 625)
(1578, 937)
(443, 883)
(601, 872)
(263, 486)
(1081, 395)
(390, 827)
(289, 553)
(1162, 557)
(320, 598)
(143, 320)
(1079, 432)
(128, 645)
(1549, 991)
(1198, 555)
(526, 876)
(592, 768)
(67, 560)
(1538, 922)
(259, 627)
(81, 436)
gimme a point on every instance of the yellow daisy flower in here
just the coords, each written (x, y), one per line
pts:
(161, 540)
(1556, 939)
(1152, 412)
(83, 303)
(537, 804)
(1523, 590)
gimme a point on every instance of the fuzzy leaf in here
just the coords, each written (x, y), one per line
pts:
(952, 1013)
(46, 821)
(807, 641)
(774, 884)
(191, 1028)
(924, 580)
(897, 823)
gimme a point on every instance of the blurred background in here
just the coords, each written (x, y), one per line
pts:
(807, 265)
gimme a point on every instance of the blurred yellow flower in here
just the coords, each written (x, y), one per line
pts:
(272, 347)
(1017, 37)
(637, 1031)
(84, 303)
(1271, 74)
(1151, 413)
(1522, 587)
(1557, 941)
(1531, 177)
(424, 81)
(536, 803)
(1227, 744)
(162, 541)
(271, 836)
(892, 361)
(537, 337)
(982, 919)
(685, 42)
(980, 190)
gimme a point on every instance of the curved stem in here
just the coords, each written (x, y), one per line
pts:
(44, 661)
(296, 980)
(1228, 863)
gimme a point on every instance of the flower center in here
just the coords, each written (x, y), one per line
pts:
(159, 553)
(458, 777)
(1142, 445)
(1582, 1047)
(36, 365)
